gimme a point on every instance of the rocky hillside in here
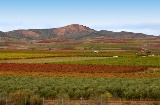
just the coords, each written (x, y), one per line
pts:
(70, 31)
(73, 29)
(39, 34)
(123, 34)
(2, 34)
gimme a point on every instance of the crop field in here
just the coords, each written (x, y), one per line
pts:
(15, 55)
(67, 70)
(30, 55)
(50, 60)
(32, 89)
(31, 75)
(132, 61)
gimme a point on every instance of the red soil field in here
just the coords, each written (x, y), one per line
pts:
(68, 68)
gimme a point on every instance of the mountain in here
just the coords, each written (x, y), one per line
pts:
(75, 31)
(36, 34)
(2, 34)
(122, 34)
(40, 34)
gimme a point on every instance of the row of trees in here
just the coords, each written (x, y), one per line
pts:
(21, 97)
(32, 89)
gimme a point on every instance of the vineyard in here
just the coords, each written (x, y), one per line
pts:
(49, 60)
(28, 54)
(28, 76)
(131, 61)
(75, 88)
(68, 70)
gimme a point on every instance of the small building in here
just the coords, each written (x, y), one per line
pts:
(95, 51)
(115, 56)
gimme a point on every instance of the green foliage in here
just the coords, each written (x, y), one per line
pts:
(2, 100)
(106, 96)
(34, 88)
(5, 55)
(21, 96)
(130, 61)
(23, 55)
(35, 100)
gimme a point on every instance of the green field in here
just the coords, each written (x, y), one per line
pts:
(131, 61)
(23, 55)
(76, 88)
(79, 57)
(50, 59)
(33, 86)
(59, 53)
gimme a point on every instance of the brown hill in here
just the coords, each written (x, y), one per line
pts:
(122, 34)
(73, 29)
(70, 31)
(2, 34)
(67, 31)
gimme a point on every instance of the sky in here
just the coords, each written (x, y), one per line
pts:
(140, 16)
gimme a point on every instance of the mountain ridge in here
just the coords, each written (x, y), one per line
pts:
(70, 31)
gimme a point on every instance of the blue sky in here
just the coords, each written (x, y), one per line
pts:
(115, 15)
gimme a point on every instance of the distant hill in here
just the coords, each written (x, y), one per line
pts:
(123, 34)
(2, 34)
(71, 31)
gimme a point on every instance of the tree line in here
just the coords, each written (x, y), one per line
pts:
(33, 89)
